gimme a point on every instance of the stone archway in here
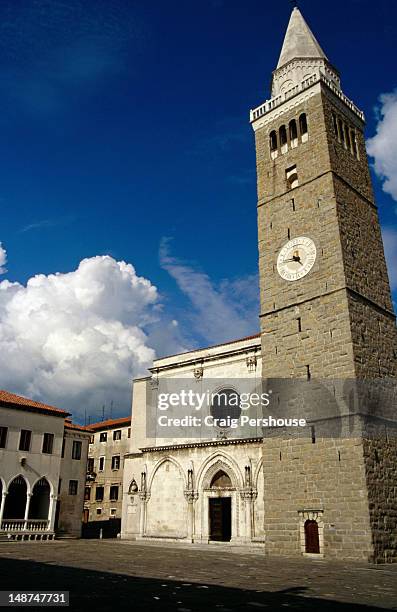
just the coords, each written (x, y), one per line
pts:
(40, 500)
(15, 504)
(220, 505)
(220, 508)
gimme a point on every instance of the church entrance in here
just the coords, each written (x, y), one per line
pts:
(220, 517)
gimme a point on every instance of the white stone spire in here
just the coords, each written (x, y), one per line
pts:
(301, 58)
(299, 41)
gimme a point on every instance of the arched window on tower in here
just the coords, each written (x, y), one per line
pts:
(293, 134)
(273, 144)
(347, 138)
(354, 144)
(335, 124)
(341, 132)
(291, 176)
(283, 139)
(303, 127)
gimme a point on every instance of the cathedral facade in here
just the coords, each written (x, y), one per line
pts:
(325, 314)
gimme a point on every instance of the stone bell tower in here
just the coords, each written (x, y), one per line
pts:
(326, 308)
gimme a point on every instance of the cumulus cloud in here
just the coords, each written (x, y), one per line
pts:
(383, 146)
(77, 339)
(220, 312)
(3, 260)
(390, 244)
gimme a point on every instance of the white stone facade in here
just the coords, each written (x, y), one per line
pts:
(169, 483)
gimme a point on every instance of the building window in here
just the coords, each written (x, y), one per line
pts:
(63, 448)
(59, 485)
(113, 512)
(117, 434)
(291, 175)
(103, 436)
(3, 436)
(87, 493)
(25, 439)
(335, 123)
(48, 442)
(303, 127)
(283, 139)
(341, 131)
(354, 144)
(129, 432)
(114, 493)
(99, 493)
(90, 465)
(116, 462)
(293, 134)
(101, 464)
(347, 137)
(99, 511)
(76, 449)
(73, 486)
(273, 144)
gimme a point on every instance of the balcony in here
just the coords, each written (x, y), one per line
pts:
(31, 529)
(269, 105)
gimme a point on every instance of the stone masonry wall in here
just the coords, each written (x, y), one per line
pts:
(329, 477)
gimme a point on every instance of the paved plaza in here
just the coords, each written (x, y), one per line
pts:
(121, 575)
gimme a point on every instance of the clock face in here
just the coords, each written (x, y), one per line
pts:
(296, 258)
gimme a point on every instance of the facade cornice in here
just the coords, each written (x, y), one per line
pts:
(233, 441)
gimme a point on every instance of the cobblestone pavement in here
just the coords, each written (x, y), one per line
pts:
(122, 575)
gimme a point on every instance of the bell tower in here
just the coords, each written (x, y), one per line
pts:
(326, 308)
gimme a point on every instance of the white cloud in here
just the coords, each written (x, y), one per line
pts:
(77, 339)
(3, 260)
(383, 146)
(390, 244)
(219, 313)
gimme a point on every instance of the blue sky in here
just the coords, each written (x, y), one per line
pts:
(125, 127)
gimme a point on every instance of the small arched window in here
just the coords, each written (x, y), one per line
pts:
(291, 175)
(273, 144)
(347, 138)
(335, 124)
(354, 144)
(293, 134)
(283, 139)
(303, 127)
(341, 131)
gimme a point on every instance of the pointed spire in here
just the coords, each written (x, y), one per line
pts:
(299, 41)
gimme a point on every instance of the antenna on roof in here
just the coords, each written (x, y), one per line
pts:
(111, 409)
(103, 412)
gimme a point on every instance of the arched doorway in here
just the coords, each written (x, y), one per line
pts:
(15, 504)
(312, 540)
(40, 501)
(220, 509)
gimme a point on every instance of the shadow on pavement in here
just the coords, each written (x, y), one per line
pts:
(90, 589)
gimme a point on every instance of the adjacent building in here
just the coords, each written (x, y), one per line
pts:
(43, 460)
(109, 442)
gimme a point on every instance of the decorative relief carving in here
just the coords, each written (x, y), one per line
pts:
(251, 363)
(198, 373)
